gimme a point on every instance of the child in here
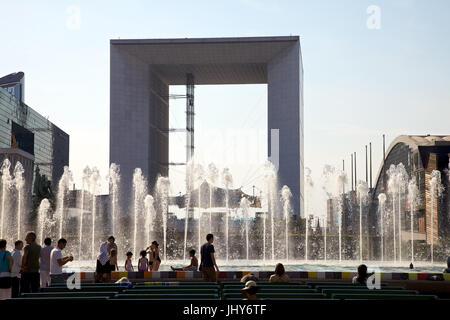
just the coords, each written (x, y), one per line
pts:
(113, 260)
(193, 266)
(128, 263)
(143, 261)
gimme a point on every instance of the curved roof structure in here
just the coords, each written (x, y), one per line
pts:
(422, 144)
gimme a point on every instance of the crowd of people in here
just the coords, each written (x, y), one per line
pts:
(39, 266)
(35, 268)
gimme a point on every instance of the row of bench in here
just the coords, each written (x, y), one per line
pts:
(226, 291)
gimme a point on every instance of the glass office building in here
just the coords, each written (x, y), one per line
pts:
(23, 128)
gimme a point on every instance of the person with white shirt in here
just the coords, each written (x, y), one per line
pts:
(57, 261)
(15, 270)
(44, 266)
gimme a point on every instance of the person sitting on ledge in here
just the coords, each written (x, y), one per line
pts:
(250, 290)
(249, 277)
(192, 267)
(361, 277)
(448, 266)
(280, 274)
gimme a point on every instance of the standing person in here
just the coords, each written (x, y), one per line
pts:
(6, 263)
(15, 271)
(280, 274)
(57, 261)
(129, 263)
(155, 260)
(143, 261)
(45, 262)
(448, 266)
(112, 264)
(29, 280)
(208, 261)
(103, 265)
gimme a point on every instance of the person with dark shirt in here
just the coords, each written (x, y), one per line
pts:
(208, 261)
(30, 279)
(448, 266)
(362, 275)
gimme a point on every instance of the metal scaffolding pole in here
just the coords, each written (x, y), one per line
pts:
(189, 116)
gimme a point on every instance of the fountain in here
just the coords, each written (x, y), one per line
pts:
(382, 208)
(265, 220)
(149, 216)
(363, 193)
(308, 191)
(227, 180)
(114, 181)
(212, 175)
(199, 173)
(286, 199)
(436, 189)
(162, 192)
(84, 185)
(19, 182)
(341, 182)
(413, 192)
(45, 220)
(189, 173)
(245, 204)
(63, 188)
(140, 191)
(94, 184)
(6, 186)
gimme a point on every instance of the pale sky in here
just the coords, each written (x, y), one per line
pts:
(359, 82)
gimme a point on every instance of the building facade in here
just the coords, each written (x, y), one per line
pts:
(142, 71)
(40, 141)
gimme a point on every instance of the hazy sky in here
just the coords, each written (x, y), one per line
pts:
(359, 82)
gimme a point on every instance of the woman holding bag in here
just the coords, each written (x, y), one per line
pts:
(6, 263)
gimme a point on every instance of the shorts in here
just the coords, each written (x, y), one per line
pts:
(106, 268)
(209, 274)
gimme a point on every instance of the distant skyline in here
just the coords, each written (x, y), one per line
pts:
(360, 81)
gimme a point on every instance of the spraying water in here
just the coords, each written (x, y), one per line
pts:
(211, 177)
(149, 216)
(382, 201)
(199, 174)
(19, 182)
(94, 184)
(341, 181)
(363, 192)
(45, 221)
(436, 189)
(63, 187)
(393, 190)
(413, 193)
(327, 178)
(402, 179)
(162, 190)
(114, 182)
(227, 180)
(6, 185)
(140, 191)
(189, 174)
(286, 199)
(245, 204)
(308, 189)
(85, 185)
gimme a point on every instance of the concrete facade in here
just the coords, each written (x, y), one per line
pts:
(142, 70)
